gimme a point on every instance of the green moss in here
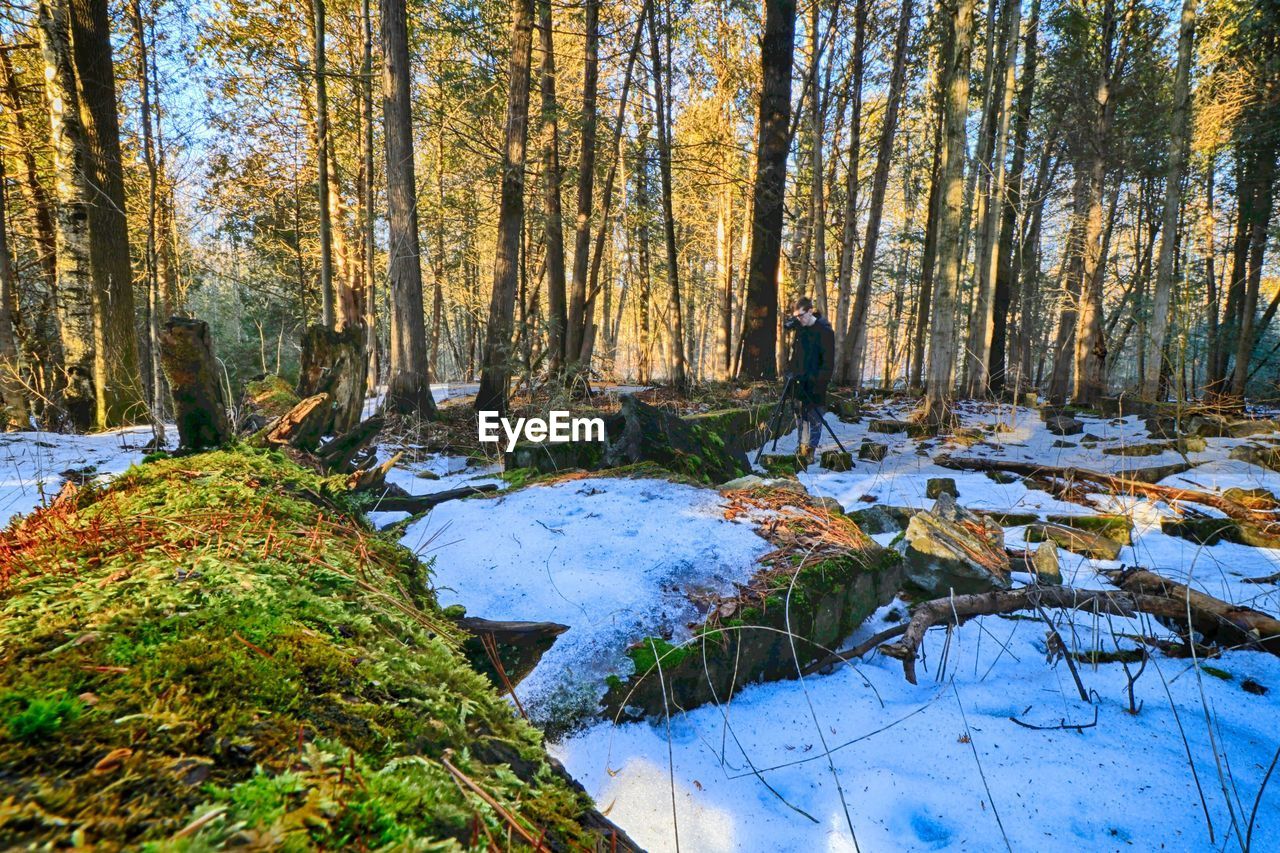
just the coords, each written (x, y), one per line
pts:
(651, 651)
(1215, 672)
(255, 652)
(271, 395)
(1116, 527)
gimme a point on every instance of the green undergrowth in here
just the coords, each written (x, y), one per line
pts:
(272, 395)
(213, 651)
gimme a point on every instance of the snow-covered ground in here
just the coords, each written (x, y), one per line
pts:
(614, 559)
(856, 759)
(863, 754)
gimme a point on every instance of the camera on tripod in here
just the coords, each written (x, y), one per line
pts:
(791, 323)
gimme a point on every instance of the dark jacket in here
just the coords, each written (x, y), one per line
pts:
(813, 358)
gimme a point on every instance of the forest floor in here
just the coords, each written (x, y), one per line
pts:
(859, 753)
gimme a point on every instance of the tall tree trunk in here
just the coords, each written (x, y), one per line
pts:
(879, 183)
(760, 337)
(77, 303)
(409, 382)
(153, 377)
(818, 200)
(578, 319)
(1008, 262)
(14, 415)
(957, 53)
(929, 253)
(554, 226)
(849, 233)
(1179, 142)
(492, 395)
(1258, 216)
(322, 167)
(367, 219)
(120, 396)
(986, 259)
(679, 375)
(724, 279)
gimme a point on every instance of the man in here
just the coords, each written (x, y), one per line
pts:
(813, 356)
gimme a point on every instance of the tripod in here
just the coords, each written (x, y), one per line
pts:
(776, 420)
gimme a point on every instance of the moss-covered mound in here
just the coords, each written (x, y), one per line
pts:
(215, 651)
(271, 396)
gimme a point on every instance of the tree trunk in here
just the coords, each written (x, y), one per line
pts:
(1258, 216)
(1178, 145)
(957, 52)
(1008, 262)
(679, 376)
(849, 232)
(879, 183)
(200, 407)
(15, 414)
(760, 337)
(77, 302)
(409, 383)
(322, 168)
(506, 265)
(578, 316)
(929, 253)
(367, 218)
(986, 260)
(120, 396)
(724, 278)
(554, 226)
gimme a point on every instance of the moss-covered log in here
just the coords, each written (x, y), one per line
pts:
(216, 651)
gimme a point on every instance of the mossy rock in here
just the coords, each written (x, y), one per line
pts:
(644, 433)
(782, 464)
(216, 648)
(872, 451)
(837, 460)
(551, 457)
(1111, 525)
(1211, 531)
(1079, 541)
(823, 606)
(911, 428)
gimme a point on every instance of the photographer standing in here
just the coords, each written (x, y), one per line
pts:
(813, 346)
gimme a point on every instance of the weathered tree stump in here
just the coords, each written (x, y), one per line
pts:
(333, 363)
(303, 425)
(200, 407)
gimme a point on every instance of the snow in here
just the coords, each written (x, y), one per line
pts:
(614, 559)
(32, 463)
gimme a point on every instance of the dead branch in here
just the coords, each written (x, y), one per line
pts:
(415, 504)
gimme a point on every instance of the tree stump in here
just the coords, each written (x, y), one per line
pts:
(200, 407)
(333, 363)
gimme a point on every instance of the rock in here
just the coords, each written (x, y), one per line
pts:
(427, 474)
(740, 484)
(1045, 564)
(1151, 449)
(741, 430)
(872, 451)
(1154, 473)
(938, 486)
(912, 429)
(1060, 444)
(550, 457)
(1004, 478)
(836, 460)
(777, 464)
(1243, 429)
(1083, 542)
(1060, 424)
(949, 549)
(1030, 400)
(1210, 531)
(829, 504)
(881, 518)
(1252, 498)
(1256, 454)
(640, 433)
(786, 485)
(1114, 526)
(1192, 444)
(520, 645)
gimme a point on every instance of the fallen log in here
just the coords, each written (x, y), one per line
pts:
(369, 476)
(1218, 621)
(301, 426)
(1143, 592)
(337, 453)
(415, 504)
(1111, 483)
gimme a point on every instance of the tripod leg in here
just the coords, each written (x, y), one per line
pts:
(832, 433)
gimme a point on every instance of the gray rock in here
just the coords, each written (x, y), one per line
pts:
(938, 486)
(880, 518)
(872, 451)
(1060, 424)
(750, 481)
(1045, 564)
(949, 549)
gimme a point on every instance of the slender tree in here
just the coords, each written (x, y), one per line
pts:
(557, 317)
(579, 318)
(492, 395)
(409, 383)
